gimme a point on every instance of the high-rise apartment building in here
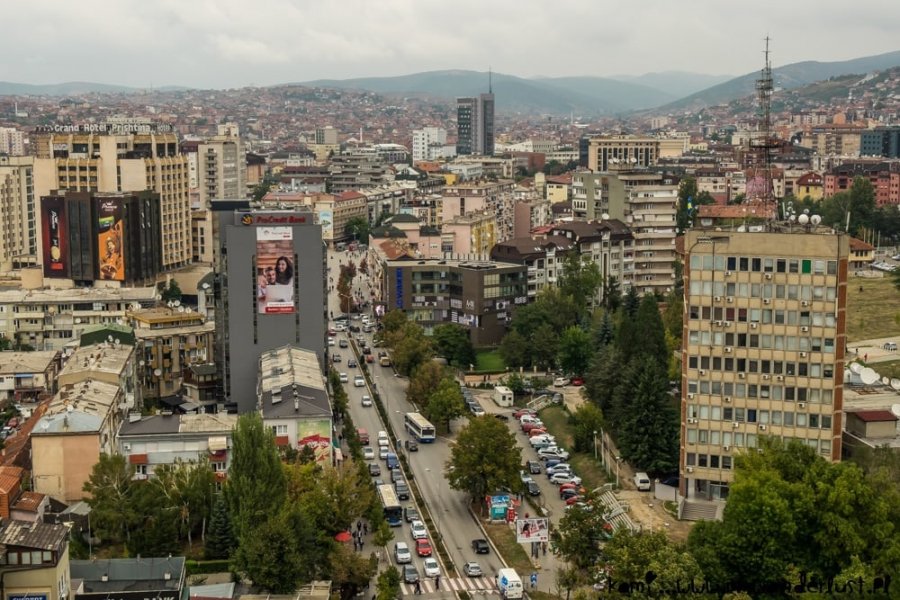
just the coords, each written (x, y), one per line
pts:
(475, 125)
(18, 221)
(762, 350)
(608, 152)
(221, 167)
(424, 140)
(651, 214)
(121, 156)
(12, 141)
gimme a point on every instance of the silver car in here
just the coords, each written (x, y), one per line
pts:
(402, 554)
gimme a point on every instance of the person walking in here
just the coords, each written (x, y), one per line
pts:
(418, 587)
(366, 528)
(437, 582)
(533, 579)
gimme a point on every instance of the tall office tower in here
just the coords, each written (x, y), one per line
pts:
(122, 155)
(221, 168)
(18, 223)
(269, 290)
(424, 139)
(12, 141)
(762, 350)
(475, 125)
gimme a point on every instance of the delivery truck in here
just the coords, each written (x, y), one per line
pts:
(510, 584)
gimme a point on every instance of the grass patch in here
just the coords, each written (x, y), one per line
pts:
(489, 360)
(888, 369)
(873, 312)
(556, 418)
(504, 539)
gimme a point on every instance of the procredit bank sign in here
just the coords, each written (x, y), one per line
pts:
(251, 219)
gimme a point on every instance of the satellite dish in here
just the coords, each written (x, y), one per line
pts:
(803, 219)
(792, 218)
(77, 320)
(895, 383)
(109, 338)
(868, 376)
(886, 380)
(856, 368)
(142, 363)
(847, 374)
(895, 410)
(170, 304)
(118, 341)
(816, 219)
(181, 309)
(45, 425)
(177, 303)
(605, 216)
(157, 372)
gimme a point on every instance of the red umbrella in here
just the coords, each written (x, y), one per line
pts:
(343, 536)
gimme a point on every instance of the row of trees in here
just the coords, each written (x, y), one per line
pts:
(792, 518)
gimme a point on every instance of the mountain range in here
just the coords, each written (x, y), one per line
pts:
(581, 96)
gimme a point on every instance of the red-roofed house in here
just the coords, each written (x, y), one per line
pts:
(712, 215)
(862, 255)
(872, 423)
(811, 184)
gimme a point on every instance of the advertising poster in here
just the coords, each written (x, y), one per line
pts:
(532, 530)
(55, 246)
(326, 220)
(110, 240)
(315, 433)
(275, 270)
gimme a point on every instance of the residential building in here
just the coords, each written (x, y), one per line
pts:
(543, 259)
(293, 400)
(18, 219)
(862, 255)
(254, 315)
(48, 319)
(222, 167)
(108, 237)
(35, 560)
(481, 296)
(430, 143)
(110, 158)
(494, 197)
(387, 199)
(763, 348)
(609, 244)
(884, 176)
(609, 151)
(475, 125)
(809, 185)
(26, 376)
(128, 578)
(529, 214)
(153, 440)
(834, 140)
(347, 172)
(883, 142)
(169, 341)
(335, 211)
(407, 236)
(651, 217)
(12, 141)
(748, 214)
(559, 188)
(326, 143)
(470, 236)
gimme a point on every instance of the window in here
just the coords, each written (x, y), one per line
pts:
(806, 266)
(280, 429)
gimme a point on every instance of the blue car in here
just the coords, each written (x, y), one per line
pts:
(551, 463)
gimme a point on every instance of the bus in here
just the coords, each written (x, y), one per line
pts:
(393, 512)
(419, 428)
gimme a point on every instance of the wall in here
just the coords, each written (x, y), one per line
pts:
(62, 463)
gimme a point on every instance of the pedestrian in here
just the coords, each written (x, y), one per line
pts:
(544, 547)
(418, 588)
(437, 582)
(533, 579)
(361, 543)
(366, 528)
(358, 525)
(866, 357)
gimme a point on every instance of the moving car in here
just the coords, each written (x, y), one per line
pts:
(410, 574)
(533, 488)
(359, 381)
(423, 547)
(344, 378)
(412, 445)
(410, 514)
(374, 470)
(351, 364)
(336, 358)
(396, 475)
(472, 569)
(367, 401)
(431, 567)
(383, 452)
(368, 453)
(480, 546)
(417, 530)
(401, 489)
(343, 343)
(401, 553)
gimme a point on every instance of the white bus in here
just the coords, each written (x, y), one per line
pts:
(393, 512)
(419, 427)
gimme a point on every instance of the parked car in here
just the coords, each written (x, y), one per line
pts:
(577, 381)
(544, 439)
(568, 493)
(374, 469)
(480, 546)
(560, 468)
(558, 453)
(431, 567)
(560, 382)
(524, 411)
(417, 530)
(331, 341)
(476, 410)
(401, 553)
(423, 547)
(501, 417)
(559, 478)
(534, 467)
(533, 425)
(574, 500)
(642, 482)
(533, 488)
(410, 574)
(410, 514)
(551, 463)
(472, 569)
(536, 431)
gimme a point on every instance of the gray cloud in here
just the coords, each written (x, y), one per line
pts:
(230, 43)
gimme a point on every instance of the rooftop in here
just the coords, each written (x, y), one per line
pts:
(98, 358)
(37, 535)
(172, 424)
(10, 479)
(128, 574)
(29, 501)
(78, 408)
(291, 384)
(76, 295)
(12, 363)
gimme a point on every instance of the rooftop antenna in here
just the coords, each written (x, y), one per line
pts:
(761, 147)
(490, 81)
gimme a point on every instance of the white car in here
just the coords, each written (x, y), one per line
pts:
(431, 567)
(553, 452)
(358, 381)
(560, 382)
(331, 341)
(368, 453)
(560, 468)
(402, 553)
(383, 451)
(367, 401)
(542, 440)
(344, 378)
(561, 478)
(418, 531)
(382, 435)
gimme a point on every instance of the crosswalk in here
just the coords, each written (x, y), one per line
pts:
(485, 585)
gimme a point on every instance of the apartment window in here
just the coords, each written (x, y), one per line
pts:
(781, 265)
(690, 459)
(794, 265)
(806, 266)
(280, 429)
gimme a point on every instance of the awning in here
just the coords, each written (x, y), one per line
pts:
(282, 440)
(138, 459)
(218, 443)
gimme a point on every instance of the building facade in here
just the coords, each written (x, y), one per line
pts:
(762, 350)
(12, 141)
(18, 218)
(492, 197)
(475, 125)
(626, 150)
(543, 259)
(26, 376)
(651, 217)
(270, 290)
(222, 168)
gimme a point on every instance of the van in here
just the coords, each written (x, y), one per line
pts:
(642, 482)
(363, 436)
(503, 396)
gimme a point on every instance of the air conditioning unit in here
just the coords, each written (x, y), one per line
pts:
(765, 376)
(690, 396)
(727, 398)
(754, 325)
(726, 448)
(768, 276)
(703, 371)
(727, 323)
(741, 375)
(804, 303)
(717, 323)
(735, 425)
(767, 301)
(779, 377)
(126, 447)
(762, 427)
(801, 404)
(690, 469)
(730, 299)
(728, 349)
(717, 298)
(728, 273)
(804, 329)
(803, 355)
(692, 421)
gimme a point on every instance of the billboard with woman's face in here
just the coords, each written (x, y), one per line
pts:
(275, 270)
(110, 239)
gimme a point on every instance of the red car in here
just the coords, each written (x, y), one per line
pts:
(423, 547)
(531, 426)
(332, 333)
(571, 486)
(573, 500)
(577, 381)
(536, 431)
(523, 411)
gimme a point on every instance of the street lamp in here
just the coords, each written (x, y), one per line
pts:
(618, 460)
(595, 445)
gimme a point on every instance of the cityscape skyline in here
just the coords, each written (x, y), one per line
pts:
(222, 45)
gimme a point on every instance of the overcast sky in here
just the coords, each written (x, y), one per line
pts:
(234, 43)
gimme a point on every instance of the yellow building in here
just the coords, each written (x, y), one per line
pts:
(34, 563)
(18, 233)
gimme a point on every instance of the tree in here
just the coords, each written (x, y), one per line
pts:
(263, 187)
(270, 556)
(358, 227)
(578, 536)
(603, 378)
(580, 280)
(424, 382)
(220, 538)
(393, 321)
(5, 344)
(588, 420)
(171, 292)
(453, 343)
(604, 332)
(651, 558)
(484, 458)
(411, 349)
(111, 487)
(255, 488)
(388, 585)
(575, 351)
(856, 206)
(350, 571)
(445, 403)
(612, 295)
(545, 346)
(156, 530)
(647, 422)
(515, 349)
(335, 498)
(187, 489)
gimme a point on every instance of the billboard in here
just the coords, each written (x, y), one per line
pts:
(55, 244)
(110, 239)
(532, 530)
(275, 270)
(326, 220)
(315, 433)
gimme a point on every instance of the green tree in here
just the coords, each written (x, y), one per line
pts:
(579, 535)
(110, 487)
(388, 585)
(171, 292)
(255, 488)
(603, 379)
(411, 349)
(484, 458)
(575, 351)
(648, 425)
(332, 498)
(5, 344)
(270, 556)
(358, 227)
(445, 403)
(350, 571)
(424, 382)
(393, 321)
(545, 346)
(220, 538)
(187, 489)
(263, 187)
(857, 203)
(453, 343)
(580, 280)
(651, 558)
(612, 295)
(588, 420)
(516, 351)
(156, 530)
(604, 332)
